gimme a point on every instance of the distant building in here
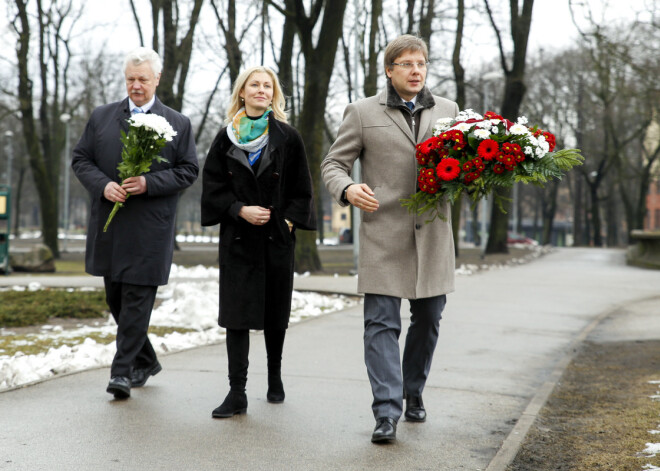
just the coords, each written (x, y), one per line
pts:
(653, 206)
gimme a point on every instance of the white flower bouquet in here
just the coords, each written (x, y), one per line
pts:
(147, 135)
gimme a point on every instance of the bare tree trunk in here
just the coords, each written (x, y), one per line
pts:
(459, 77)
(176, 55)
(372, 71)
(514, 92)
(285, 62)
(232, 47)
(549, 211)
(426, 20)
(410, 11)
(44, 154)
(17, 201)
(319, 63)
(594, 212)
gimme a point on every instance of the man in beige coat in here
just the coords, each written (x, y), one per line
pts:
(400, 255)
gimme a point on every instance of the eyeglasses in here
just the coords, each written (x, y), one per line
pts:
(410, 65)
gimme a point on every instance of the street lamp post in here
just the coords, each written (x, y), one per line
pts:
(65, 118)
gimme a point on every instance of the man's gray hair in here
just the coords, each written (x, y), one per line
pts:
(141, 55)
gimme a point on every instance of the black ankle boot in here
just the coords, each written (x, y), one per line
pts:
(234, 403)
(275, 392)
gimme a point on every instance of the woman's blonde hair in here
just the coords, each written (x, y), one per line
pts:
(278, 97)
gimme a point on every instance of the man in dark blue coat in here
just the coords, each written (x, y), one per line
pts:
(134, 256)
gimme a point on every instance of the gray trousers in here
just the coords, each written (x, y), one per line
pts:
(382, 327)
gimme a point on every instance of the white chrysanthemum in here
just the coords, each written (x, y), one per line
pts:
(539, 152)
(155, 122)
(519, 129)
(482, 133)
(495, 122)
(522, 120)
(468, 114)
(463, 127)
(528, 150)
(494, 129)
(443, 124)
(483, 124)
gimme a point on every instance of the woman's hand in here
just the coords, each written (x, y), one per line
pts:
(255, 215)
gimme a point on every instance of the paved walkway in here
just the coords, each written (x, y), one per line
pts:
(504, 339)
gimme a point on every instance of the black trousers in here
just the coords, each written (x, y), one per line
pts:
(131, 306)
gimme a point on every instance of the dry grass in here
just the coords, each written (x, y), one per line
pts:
(600, 414)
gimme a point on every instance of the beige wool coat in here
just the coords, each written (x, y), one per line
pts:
(399, 255)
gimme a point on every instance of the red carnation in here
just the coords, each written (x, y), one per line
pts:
(488, 149)
(507, 159)
(422, 159)
(550, 138)
(470, 177)
(467, 166)
(479, 164)
(448, 169)
(498, 168)
(491, 115)
(432, 189)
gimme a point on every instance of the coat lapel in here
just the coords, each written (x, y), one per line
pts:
(424, 123)
(275, 139)
(395, 115)
(239, 156)
(122, 114)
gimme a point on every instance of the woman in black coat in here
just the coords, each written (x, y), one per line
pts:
(257, 186)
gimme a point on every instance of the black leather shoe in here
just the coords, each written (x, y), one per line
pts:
(234, 403)
(140, 375)
(415, 411)
(120, 386)
(275, 394)
(385, 431)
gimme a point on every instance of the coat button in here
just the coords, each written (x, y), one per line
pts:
(418, 226)
(276, 175)
(229, 174)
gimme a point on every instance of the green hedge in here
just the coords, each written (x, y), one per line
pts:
(25, 308)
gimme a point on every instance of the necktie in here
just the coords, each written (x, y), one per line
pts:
(410, 105)
(137, 110)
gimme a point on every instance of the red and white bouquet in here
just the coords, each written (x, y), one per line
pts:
(474, 154)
